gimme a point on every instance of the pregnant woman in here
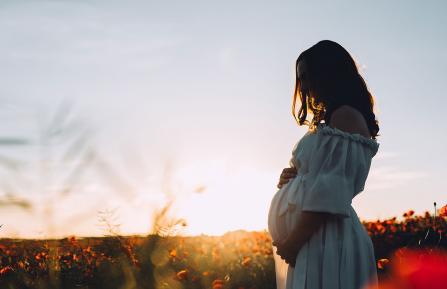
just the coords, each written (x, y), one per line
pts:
(319, 241)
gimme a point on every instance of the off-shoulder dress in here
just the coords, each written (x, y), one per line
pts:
(332, 168)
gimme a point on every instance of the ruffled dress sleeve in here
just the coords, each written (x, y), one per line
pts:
(338, 166)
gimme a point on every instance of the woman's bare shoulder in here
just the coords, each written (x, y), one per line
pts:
(349, 119)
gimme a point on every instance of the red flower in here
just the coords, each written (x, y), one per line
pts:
(417, 269)
(217, 284)
(382, 263)
(182, 275)
(246, 261)
(5, 270)
(443, 211)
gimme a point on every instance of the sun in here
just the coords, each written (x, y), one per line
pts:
(223, 199)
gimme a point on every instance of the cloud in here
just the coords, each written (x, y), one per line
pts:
(390, 176)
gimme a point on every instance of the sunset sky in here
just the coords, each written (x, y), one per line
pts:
(122, 106)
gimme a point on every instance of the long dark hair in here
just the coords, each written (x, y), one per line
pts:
(334, 77)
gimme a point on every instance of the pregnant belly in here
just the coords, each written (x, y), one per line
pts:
(285, 209)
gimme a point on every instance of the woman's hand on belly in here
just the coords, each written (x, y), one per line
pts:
(288, 250)
(286, 175)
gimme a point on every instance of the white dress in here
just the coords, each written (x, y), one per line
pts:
(333, 167)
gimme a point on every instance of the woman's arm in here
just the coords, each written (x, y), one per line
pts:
(308, 223)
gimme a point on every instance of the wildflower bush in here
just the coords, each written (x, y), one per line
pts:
(239, 259)
(412, 232)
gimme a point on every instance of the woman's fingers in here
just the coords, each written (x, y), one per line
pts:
(286, 175)
(283, 181)
(289, 256)
(289, 260)
(289, 170)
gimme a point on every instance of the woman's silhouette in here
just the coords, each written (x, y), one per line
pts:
(319, 239)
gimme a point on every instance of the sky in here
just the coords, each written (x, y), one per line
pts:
(112, 110)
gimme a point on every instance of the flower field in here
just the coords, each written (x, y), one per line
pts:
(236, 260)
